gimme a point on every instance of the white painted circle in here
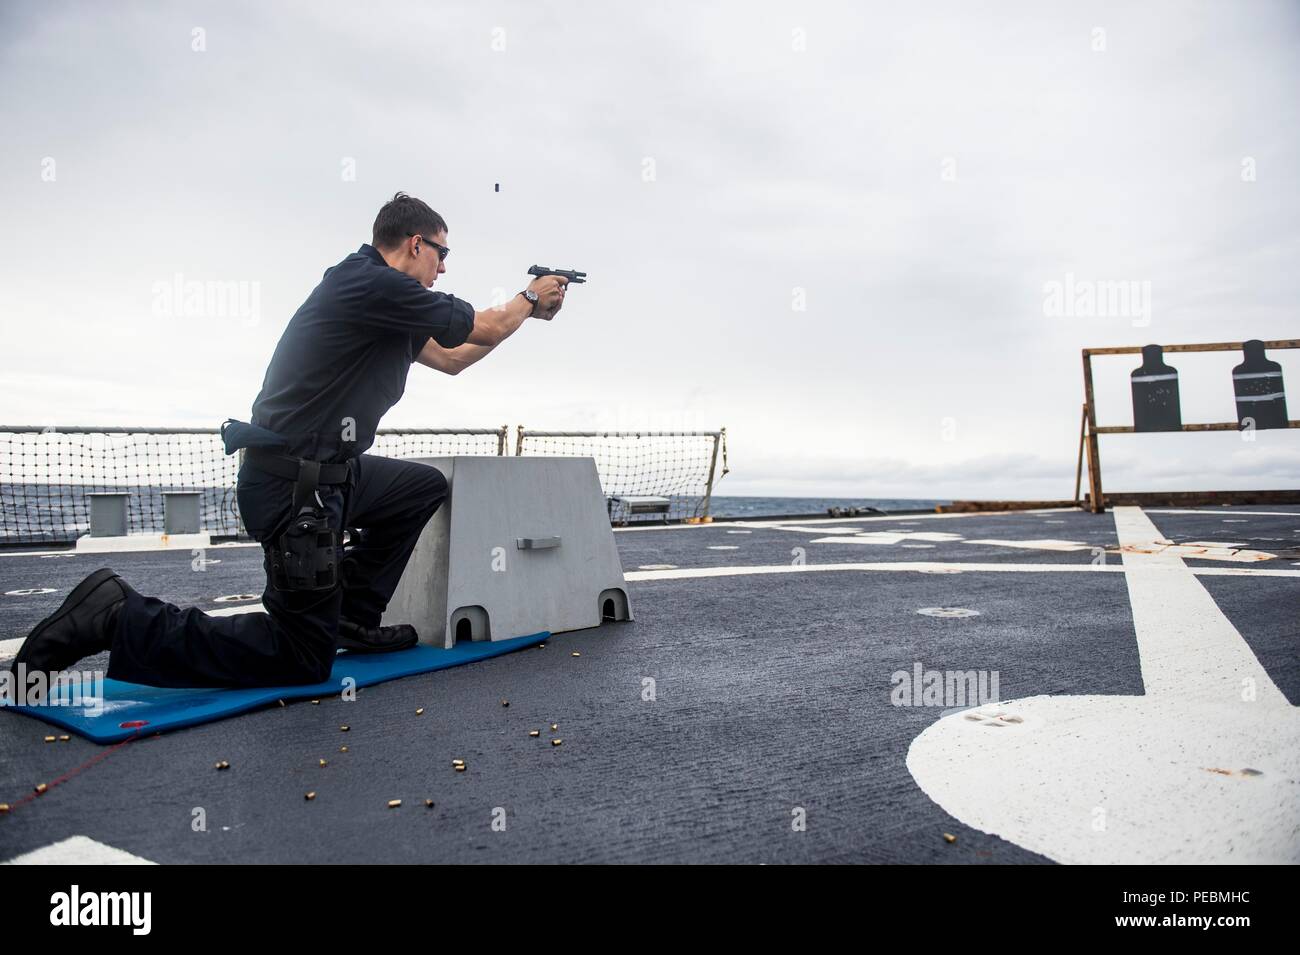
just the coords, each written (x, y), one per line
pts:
(29, 592)
(1121, 755)
(948, 612)
(740, 532)
(723, 547)
(232, 598)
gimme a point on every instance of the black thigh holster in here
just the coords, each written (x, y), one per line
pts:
(305, 556)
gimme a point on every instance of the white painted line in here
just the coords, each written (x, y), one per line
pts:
(1186, 644)
(78, 850)
(1221, 511)
(931, 566)
(912, 566)
(816, 529)
(1144, 779)
(877, 539)
(888, 537)
(9, 648)
(1045, 544)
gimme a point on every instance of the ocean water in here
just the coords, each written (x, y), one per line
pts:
(722, 506)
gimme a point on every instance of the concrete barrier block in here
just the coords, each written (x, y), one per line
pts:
(522, 544)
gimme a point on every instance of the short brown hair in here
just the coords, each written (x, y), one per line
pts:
(402, 216)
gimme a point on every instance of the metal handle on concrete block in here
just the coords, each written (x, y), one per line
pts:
(536, 543)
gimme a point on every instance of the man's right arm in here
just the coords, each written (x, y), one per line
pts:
(492, 326)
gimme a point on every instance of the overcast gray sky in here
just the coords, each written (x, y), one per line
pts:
(831, 227)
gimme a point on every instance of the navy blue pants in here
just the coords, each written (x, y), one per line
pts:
(295, 639)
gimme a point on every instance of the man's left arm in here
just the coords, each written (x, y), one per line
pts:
(451, 361)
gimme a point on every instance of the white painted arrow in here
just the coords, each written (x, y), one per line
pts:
(1203, 768)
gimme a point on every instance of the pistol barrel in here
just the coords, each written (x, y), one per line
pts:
(573, 276)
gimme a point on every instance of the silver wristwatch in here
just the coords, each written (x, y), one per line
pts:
(532, 297)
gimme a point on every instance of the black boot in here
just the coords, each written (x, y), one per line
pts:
(82, 625)
(356, 638)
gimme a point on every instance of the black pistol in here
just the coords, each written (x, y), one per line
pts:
(575, 276)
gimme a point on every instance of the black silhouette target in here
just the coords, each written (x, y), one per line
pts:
(1257, 382)
(1155, 393)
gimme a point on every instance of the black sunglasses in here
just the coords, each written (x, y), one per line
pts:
(443, 251)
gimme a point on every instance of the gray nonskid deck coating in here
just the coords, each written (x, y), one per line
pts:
(772, 692)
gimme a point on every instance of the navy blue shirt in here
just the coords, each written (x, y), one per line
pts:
(343, 359)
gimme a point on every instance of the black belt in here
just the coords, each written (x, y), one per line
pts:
(306, 475)
(289, 467)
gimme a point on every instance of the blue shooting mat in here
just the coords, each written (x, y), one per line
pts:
(129, 709)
